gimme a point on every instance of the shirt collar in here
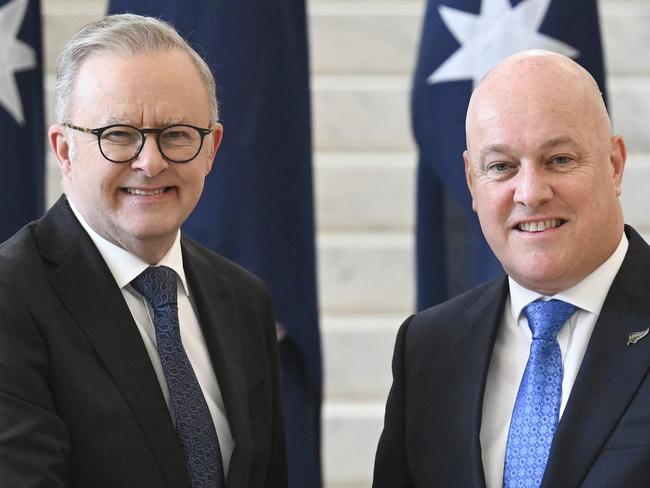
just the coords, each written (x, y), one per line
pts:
(123, 265)
(589, 294)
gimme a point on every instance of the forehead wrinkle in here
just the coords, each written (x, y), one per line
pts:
(558, 141)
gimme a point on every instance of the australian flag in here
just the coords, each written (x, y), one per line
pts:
(461, 41)
(257, 206)
(21, 115)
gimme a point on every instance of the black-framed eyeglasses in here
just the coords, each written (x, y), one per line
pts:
(121, 143)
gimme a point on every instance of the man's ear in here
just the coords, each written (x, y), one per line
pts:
(468, 176)
(617, 157)
(60, 147)
(215, 138)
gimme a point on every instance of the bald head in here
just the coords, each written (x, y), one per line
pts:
(538, 80)
(544, 170)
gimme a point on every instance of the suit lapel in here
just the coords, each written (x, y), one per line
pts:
(464, 385)
(213, 299)
(86, 288)
(610, 372)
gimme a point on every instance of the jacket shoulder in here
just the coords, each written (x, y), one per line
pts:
(443, 319)
(19, 256)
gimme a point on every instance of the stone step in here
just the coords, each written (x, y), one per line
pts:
(624, 25)
(365, 191)
(361, 113)
(635, 192)
(629, 104)
(350, 434)
(364, 36)
(358, 351)
(365, 273)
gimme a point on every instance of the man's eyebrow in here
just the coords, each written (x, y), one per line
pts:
(117, 120)
(175, 120)
(493, 148)
(124, 121)
(505, 149)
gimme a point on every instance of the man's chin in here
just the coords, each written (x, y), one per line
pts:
(542, 275)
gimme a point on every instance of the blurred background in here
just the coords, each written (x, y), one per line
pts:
(362, 59)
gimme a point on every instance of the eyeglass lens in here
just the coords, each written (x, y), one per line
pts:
(122, 143)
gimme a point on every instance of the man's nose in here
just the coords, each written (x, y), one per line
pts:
(532, 186)
(150, 160)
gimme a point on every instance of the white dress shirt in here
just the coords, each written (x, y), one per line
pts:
(125, 267)
(512, 347)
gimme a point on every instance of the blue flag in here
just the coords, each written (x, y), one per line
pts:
(461, 41)
(21, 115)
(257, 206)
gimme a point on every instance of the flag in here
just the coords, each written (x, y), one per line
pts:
(21, 115)
(257, 206)
(461, 41)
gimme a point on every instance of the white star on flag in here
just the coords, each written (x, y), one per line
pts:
(15, 56)
(497, 32)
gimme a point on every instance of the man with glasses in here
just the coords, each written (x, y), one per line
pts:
(131, 356)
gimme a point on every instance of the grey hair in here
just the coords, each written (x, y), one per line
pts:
(125, 34)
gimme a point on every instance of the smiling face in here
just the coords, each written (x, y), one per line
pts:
(544, 172)
(139, 205)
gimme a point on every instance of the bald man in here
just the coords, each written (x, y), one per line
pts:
(540, 377)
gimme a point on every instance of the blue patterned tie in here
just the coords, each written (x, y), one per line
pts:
(193, 421)
(537, 407)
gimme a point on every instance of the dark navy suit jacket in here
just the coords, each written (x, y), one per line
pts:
(442, 355)
(80, 404)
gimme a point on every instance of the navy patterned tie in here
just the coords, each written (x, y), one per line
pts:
(537, 408)
(194, 424)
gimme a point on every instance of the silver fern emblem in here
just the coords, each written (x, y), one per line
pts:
(635, 337)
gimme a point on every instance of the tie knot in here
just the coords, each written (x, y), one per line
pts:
(546, 318)
(157, 284)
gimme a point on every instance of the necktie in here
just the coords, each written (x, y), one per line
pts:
(537, 406)
(194, 424)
